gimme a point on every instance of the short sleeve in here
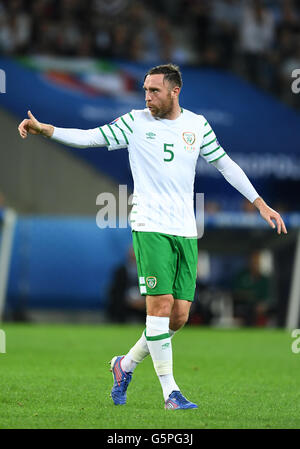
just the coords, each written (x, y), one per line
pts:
(117, 134)
(210, 148)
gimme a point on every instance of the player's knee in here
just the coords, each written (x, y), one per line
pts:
(159, 305)
(177, 321)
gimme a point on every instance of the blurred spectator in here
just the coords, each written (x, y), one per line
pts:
(85, 47)
(156, 40)
(212, 302)
(200, 312)
(165, 38)
(251, 292)
(121, 41)
(226, 16)
(257, 39)
(172, 9)
(212, 207)
(15, 27)
(68, 37)
(199, 18)
(111, 8)
(289, 17)
(125, 301)
(257, 35)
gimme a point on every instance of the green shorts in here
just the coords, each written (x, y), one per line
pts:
(166, 264)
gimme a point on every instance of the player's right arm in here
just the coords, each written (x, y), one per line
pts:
(80, 138)
(114, 135)
(32, 126)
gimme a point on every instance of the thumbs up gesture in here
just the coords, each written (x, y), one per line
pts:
(32, 126)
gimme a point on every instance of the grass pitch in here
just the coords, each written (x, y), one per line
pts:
(57, 376)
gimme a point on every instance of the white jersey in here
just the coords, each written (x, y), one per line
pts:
(163, 155)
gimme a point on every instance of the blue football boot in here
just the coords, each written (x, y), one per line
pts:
(177, 401)
(121, 381)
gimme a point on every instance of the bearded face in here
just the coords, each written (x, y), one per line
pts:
(159, 96)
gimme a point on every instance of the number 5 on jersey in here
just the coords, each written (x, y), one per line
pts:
(170, 155)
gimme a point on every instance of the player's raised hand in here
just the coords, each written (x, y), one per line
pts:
(32, 126)
(270, 215)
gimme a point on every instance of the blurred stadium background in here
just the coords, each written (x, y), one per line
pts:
(81, 64)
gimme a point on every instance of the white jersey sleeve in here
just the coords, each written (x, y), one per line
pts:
(113, 135)
(117, 134)
(80, 138)
(233, 173)
(212, 152)
(210, 148)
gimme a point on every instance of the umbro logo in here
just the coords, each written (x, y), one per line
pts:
(150, 135)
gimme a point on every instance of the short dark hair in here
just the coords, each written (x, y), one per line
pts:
(171, 73)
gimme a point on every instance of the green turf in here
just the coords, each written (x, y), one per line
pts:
(57, 376)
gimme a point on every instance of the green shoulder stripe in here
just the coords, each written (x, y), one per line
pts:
(207, 154)
(124, 135)
(104, 135)
(131, 116)
(208, 133)
(212, 141)
(126, 125)
(113, 133)
(217, 158)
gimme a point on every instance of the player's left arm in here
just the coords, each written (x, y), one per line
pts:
(234, 174)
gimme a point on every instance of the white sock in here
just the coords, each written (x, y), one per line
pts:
(168, 385)
(138, 353)
(160, 347)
